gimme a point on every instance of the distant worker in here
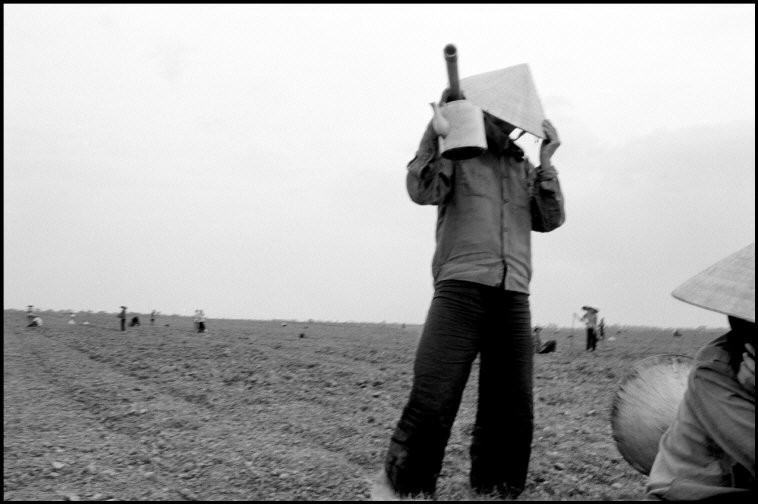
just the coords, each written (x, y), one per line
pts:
(122, 316)
(601, 330)
(590, 320)
(708, 452)
(548, 347)
(30, 313)
(537, 339)
(36, 321)
(200, 321)
(134, 321)
(152, 317)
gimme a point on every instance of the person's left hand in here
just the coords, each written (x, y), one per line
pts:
(550, 144)
(746, 373)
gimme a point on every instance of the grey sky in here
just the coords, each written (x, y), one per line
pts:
(250, 159)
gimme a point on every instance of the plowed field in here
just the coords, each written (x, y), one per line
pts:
(252, 410)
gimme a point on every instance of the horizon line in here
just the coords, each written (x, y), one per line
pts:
(326, 321)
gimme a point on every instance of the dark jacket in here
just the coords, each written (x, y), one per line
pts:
(487, 207)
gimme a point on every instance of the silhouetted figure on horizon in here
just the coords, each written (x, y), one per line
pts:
(122, 316)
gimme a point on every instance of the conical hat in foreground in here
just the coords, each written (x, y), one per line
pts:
(645, 406)
(727, 287)
(508, 94)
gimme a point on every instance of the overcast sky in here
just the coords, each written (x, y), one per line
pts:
(250, 159)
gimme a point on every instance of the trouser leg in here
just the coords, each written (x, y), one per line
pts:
(502, 437)
(446, 351)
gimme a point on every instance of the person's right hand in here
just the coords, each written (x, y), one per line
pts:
(746, 373)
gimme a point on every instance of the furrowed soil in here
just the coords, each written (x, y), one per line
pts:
(255, 410)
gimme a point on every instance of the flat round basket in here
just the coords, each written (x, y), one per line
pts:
(645, 405)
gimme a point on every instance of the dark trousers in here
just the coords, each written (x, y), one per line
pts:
(466, 319)
(123, 324)
(591, 339)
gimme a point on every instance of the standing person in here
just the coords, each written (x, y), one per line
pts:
(601, 329)
(200, 321)
(30, 313)
(708, 452)
(537, 339)
(487, 207)
(590, 320)
(152, 317)
(122, 316)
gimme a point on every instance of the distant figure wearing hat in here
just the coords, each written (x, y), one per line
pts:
(709, 450)
(30, 313)
(590, 320)
(487, 207)
(200, 321)
(122, 316)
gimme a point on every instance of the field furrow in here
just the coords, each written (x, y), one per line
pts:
(267, 411)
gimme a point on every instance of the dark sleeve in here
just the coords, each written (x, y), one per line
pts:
(547, 201)
(726, 411)
(430, 177)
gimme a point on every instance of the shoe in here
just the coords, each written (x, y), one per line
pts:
(382, 490)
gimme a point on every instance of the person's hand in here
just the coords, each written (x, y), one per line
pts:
(746, 373)
(549, 145)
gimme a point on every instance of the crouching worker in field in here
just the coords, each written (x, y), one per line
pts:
(487, 207)
(709, 450)
(548, 347)
(35, 322)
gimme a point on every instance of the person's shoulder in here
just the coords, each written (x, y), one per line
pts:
(715, 350)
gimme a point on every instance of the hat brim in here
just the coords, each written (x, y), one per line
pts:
(509, 94)
(645, 405)
(726, 287)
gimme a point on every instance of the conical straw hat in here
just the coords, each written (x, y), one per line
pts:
(508, 94)
(645, 405)
(727, 287)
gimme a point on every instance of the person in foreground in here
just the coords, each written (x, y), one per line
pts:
(487, 208)
(709, 450)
